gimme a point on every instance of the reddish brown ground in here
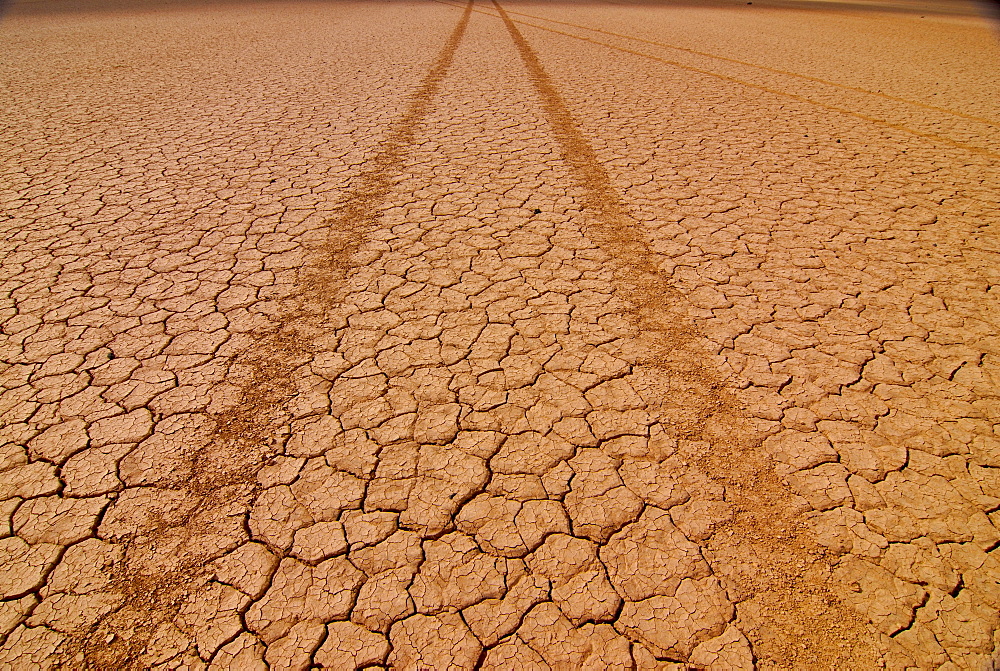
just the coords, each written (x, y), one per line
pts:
(534, 335)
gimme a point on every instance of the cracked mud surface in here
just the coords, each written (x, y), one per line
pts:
(444, 335)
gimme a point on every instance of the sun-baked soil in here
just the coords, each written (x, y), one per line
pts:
(433, 335)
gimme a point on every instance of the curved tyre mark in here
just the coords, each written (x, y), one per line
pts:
(818, 80)
(934, 137)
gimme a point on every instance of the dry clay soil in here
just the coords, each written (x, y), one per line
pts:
(524, 336)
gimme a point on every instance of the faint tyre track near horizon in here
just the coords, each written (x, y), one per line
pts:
(764, 67)
(543, 357)
(992, 151)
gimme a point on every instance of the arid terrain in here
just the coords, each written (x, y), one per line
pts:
(548, 335)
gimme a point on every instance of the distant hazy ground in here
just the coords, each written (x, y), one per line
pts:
(952, 7)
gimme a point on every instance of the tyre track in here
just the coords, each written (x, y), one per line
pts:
(935, 137)
(763, 531)
(254, 429)
(345, 234)
(914, 640)
(817, 80)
